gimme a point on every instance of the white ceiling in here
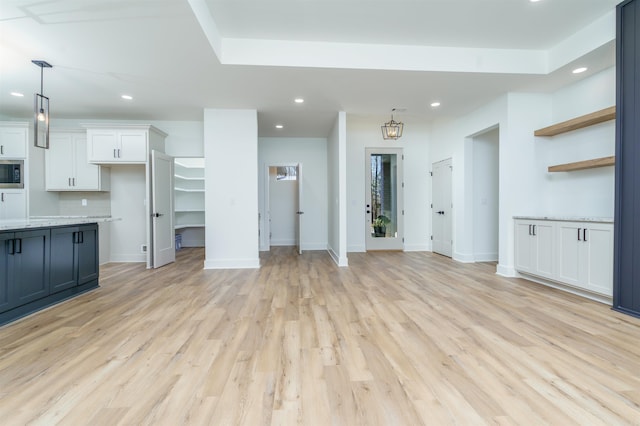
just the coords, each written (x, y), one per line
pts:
(157, 51)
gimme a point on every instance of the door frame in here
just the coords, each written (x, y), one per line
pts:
(448, 210)
(385, 243)
(267, 208)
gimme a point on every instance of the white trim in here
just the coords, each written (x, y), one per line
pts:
(360, 248)
(463, 258)
(485, 257)
(232, 264)
(283, 242)
(340, 261)
(505, 271)
(569, 289)
(417, 247)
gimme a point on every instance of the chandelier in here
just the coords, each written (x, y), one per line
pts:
(392, 129)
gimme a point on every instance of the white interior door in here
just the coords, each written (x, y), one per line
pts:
(442, 209)
(384, 211)
(162, 209)
(300, 211)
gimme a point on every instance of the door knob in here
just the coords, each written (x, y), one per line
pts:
(157, 215)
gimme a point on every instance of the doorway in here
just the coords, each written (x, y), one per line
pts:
(283, 199)
(485, 211)
(384, 224)
(441, 212)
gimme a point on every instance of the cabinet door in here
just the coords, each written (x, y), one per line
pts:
(599, 258)
(59, 162)
(523, 246)
(102, 145)
(6, 299)
(87, 175)
(31, 265)
(13, 204)
(88, 258)
(545, 249)
(63, 267)
(133, 146)
(13, 142)
(570, 252)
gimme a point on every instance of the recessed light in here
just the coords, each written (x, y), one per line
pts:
(279, 126)
(534, 1)
(435, 104)
(579, 70)
(298, 100)
(127, 97)
(16, 94)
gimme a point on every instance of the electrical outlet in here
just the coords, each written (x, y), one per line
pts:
(143, 248)
(84, 202)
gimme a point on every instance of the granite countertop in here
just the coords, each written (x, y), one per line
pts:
(48, 221)
(568, 218)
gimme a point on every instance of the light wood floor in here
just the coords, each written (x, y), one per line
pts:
(395, 339)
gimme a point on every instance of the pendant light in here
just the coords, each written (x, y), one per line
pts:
(392, 129)
(41, 111)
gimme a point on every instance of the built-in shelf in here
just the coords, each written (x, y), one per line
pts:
(190, 225)
(578, 122)
(188, 178)
(583, 165)
(189, 201)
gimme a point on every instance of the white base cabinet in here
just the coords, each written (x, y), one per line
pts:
(577, 254)
(13, 204)
(67, 168)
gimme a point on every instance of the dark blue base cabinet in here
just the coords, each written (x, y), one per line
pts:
(43, 266)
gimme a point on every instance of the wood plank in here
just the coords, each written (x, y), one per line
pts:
(578, 122)
(583, 165)
(397, 338)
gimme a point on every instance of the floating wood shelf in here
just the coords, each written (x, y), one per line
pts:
(582, 165)
(578, 122)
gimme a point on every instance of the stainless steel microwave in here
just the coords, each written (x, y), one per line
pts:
(11, 173)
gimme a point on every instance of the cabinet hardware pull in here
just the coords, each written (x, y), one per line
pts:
(584, 235)
(534, 230)
(81, 237)
(2, 197)
(18, 248)
(69, 181)
(74, 181)
(118, 152)
(2, 149)
(529, 229)
(12, 246)
(114, 153)
(579, 229)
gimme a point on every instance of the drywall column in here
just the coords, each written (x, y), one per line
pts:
(337, 190)
(231, 189)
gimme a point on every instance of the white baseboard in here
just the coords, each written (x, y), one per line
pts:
(506, 271)
(464, 258)
(417, 247)
(128, 258)
(486, 257)
(232, 263)
(340, 261)
(357, 248)
(287, 242)
(570, 289)
(314, 246)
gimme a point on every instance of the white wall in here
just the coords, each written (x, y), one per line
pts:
(231, 182)
(337, 190)
(586, 192)
(526, 187)
(41, 202)
(364, 132)
(485, 195)
(312, 154)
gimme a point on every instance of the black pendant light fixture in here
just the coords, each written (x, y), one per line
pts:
(41, 111)
(392, 129)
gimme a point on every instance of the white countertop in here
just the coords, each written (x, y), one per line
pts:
(48, 221)
(568, 218)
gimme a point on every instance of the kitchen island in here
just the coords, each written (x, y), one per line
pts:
(44, 261)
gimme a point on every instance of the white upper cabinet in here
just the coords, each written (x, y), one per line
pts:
(67, 166)
(13, 140)
(122, 144)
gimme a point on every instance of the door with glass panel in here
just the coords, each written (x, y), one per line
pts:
(384, 223)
